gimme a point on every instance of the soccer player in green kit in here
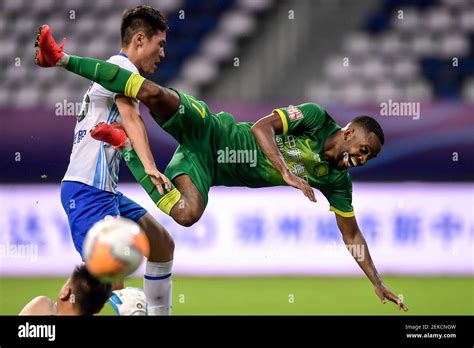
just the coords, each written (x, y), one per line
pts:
(299, 146)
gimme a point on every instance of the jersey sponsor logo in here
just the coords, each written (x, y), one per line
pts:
(294, 155)
(279, 142)
(298, 169)
(79, 135)
(84, 108)
(294, 113)
(86, 103)
(290, 141)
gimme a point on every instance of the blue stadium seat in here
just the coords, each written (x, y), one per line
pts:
(185, 35)
(445, 79)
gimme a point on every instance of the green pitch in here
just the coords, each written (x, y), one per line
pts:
(280, 295)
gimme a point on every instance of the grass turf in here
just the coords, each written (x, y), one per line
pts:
(279, 295)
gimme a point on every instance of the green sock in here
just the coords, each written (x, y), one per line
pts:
(108, 75)
(166, 201)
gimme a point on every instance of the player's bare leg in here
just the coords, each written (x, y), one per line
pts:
(189, 209)
(161, 242)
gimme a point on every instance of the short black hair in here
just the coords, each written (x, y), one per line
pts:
(144, 18)
(370, 125)
(90, 294)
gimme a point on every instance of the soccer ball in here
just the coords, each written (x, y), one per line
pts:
(114, 248)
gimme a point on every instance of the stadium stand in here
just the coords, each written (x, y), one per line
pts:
(201, 35)
(408, 50)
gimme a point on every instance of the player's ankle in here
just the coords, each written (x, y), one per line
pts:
(63, 61)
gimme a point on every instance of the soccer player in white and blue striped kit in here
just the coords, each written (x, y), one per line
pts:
(88, 190)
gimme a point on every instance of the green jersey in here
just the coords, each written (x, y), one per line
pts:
(216, 150)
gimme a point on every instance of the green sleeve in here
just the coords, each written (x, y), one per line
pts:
(301, 118)
(339, 195)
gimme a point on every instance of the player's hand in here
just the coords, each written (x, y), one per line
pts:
(299, 183)
(159, 179)
(385, 294)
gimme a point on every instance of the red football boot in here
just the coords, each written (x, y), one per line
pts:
(47, 50)
(112, 134)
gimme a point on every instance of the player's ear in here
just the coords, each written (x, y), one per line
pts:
(348, 132)
(139, 38)
(65, 293)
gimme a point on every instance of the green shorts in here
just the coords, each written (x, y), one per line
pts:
(194, 127)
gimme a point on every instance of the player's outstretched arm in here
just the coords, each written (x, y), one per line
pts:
(357, 245)
(264, 131)
(137, 134)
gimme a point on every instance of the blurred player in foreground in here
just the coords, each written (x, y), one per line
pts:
(83, 294)
(299, 146)
(89, 187)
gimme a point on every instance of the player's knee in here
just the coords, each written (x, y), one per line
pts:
(187, 218)
(169, 241)
(165, 240)
(187, 212)
(184, 220)
(158, 236)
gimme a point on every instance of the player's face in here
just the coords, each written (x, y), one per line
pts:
(152, 52)
(358, 147)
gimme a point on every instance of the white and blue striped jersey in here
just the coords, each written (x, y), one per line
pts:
(93, 162)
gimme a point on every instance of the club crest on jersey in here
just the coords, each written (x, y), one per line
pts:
(321, 170)
(294, 113)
